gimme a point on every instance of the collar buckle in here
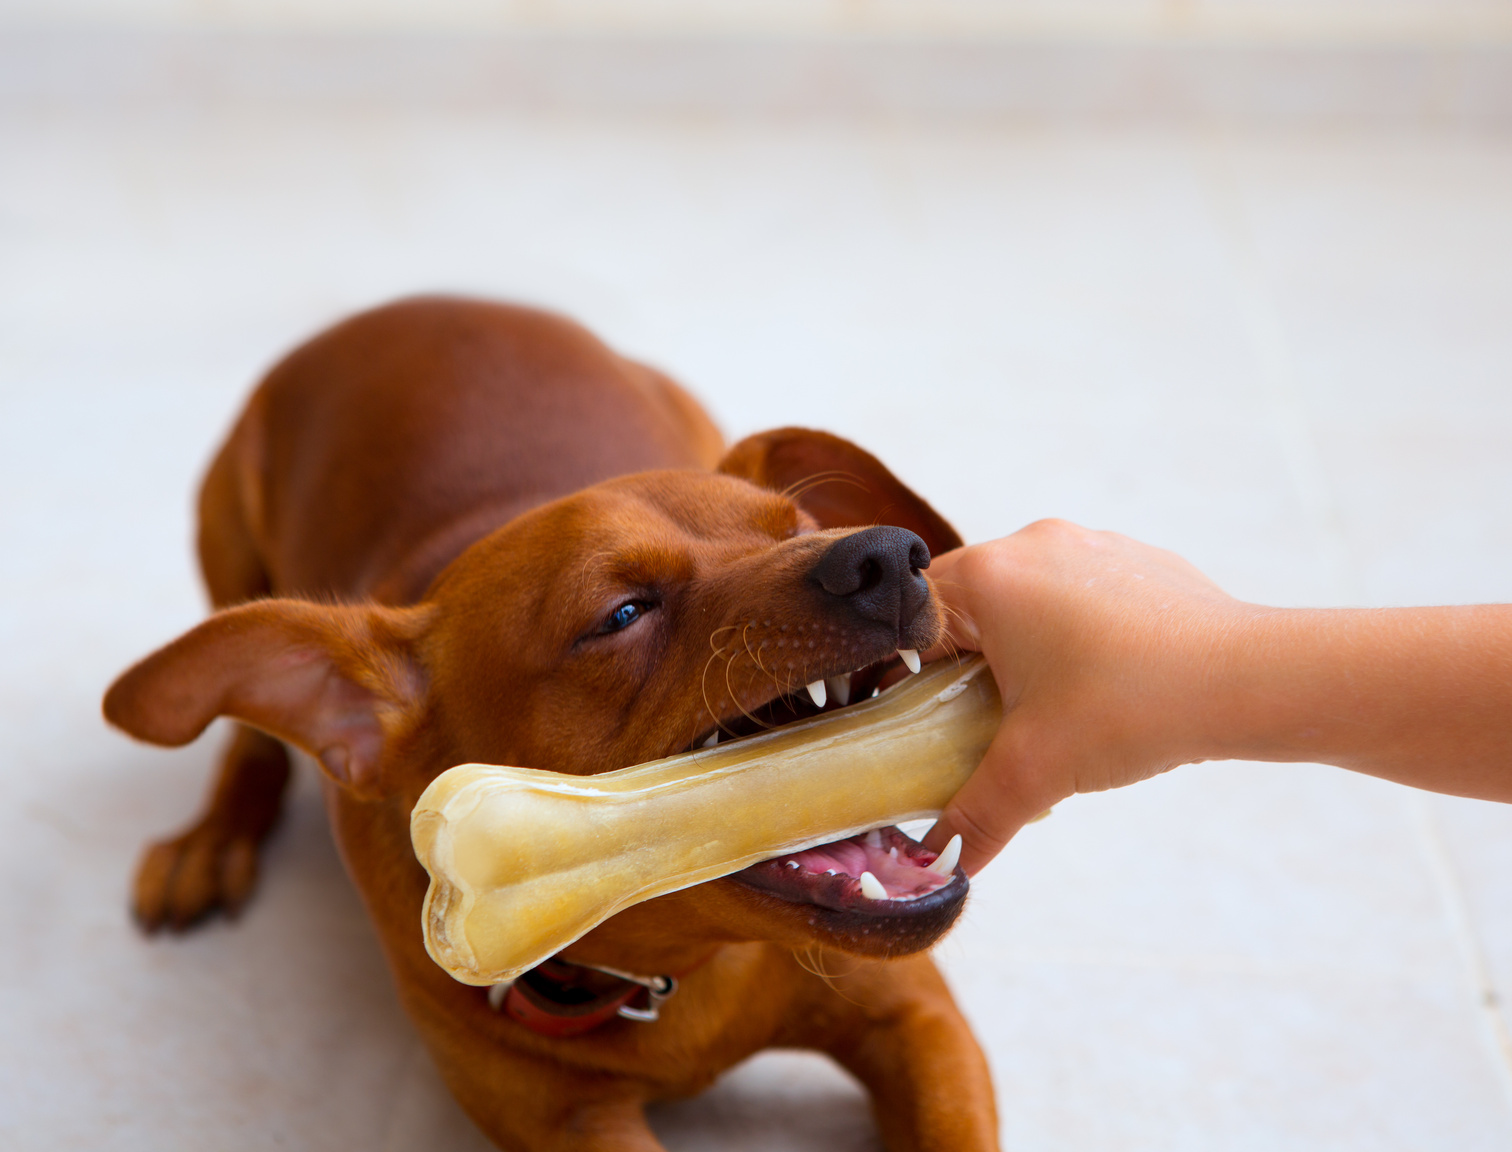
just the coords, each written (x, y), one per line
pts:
(540, 1001)
(658, 990)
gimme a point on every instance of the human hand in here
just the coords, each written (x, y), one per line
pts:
(1102, 648)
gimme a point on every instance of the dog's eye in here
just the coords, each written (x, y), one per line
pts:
(623, 616)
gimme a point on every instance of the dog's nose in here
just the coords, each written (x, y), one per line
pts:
(876, 571)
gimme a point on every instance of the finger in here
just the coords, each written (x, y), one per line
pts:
(991, 806)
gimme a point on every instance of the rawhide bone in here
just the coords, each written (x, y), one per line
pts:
(523, 862)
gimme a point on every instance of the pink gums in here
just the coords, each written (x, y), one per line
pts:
(899, 864)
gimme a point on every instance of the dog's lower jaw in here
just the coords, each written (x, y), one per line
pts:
(680, 931)
(853, 931)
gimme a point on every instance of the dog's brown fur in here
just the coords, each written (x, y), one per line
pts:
(411, 535)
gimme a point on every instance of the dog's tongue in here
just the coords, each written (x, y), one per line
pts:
(524, 862)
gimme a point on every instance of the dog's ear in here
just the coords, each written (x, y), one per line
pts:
(344, 683)
(836, 483)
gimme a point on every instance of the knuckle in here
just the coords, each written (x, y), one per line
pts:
(976, 833)
(1054, 528)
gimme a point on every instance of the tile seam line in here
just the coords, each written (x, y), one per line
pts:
(1276, 369)
(1490, 30)
(1455, 905)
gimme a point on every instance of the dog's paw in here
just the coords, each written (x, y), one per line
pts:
(182, 880)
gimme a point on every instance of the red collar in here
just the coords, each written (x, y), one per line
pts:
(552, 999)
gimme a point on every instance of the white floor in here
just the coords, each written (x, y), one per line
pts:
(1287, 357)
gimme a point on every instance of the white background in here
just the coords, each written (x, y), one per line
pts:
(1285, 354)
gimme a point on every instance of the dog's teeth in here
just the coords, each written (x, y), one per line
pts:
(910, 657)
(839, 688)
(712, 740)
(791, 864)
(873, 838)
(829, 871)
(816, 691)
(945, 863)
(496, 994)
(872, 888)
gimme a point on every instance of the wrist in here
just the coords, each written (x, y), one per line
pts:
(1279, 666)
(1228, 706)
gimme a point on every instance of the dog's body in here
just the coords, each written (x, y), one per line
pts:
(491, 539)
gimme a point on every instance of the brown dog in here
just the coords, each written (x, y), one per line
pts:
(491, 539)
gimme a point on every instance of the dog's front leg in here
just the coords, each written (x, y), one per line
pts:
(525, 1104)
(213, 863)
(913, 1050)
(618, 1126)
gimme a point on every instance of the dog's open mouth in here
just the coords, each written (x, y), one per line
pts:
(879, 873)
(882, 872)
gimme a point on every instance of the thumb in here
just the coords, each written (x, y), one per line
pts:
(991, 806)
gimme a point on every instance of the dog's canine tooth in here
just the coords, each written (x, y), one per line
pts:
(839, 688)
(872, 888)
(523, 862)
(910, 657)
(712, 740)
(874, 838)
(945, 863)
(816, 691)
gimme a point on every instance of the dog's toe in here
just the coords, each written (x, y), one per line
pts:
(181, 881)
(149, 900)
(238, 874)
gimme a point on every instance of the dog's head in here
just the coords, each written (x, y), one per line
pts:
(638, 618)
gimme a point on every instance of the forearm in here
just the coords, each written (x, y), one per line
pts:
(1422, 696)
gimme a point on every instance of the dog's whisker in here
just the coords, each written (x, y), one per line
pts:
(811, 961)
(591, 559)
(703, 689)
(745, 638)
(805, 960)
(717, 631)
(952, 649)
(950, 611)
(743, 711)
(756, 660)
(814, 480)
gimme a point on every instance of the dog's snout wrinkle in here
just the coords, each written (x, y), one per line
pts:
(876, 571)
